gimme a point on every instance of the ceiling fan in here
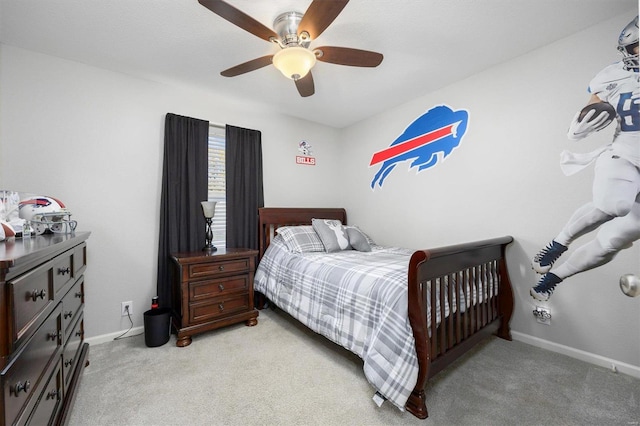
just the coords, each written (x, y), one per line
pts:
(294, 32)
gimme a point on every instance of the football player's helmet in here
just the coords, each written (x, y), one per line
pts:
(627, 41)
(46, 213)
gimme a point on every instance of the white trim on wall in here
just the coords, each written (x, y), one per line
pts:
(611, 364)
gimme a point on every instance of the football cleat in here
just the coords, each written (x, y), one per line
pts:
(544, 260)
(544, 289)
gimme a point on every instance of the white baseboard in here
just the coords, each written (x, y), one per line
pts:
(598, 360)
(104, 338)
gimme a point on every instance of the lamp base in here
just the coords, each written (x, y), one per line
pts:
(209, 248)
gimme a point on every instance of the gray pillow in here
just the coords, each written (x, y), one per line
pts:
(357, 239)
(332, 233)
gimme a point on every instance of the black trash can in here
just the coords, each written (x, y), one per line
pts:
(156, 327)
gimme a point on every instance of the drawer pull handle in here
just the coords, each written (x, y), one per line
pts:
(62, 271)
(78, 333)
(54, 394)
(68, 314)
(221, 306)
(35, 294)
(21, 387)
(221, 287)
(68, 362)
(79, 295)
(53, 336)
(221, 268)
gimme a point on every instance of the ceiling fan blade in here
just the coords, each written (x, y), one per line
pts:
(248, 66)
(239, 18)
(320, 15)
(305, 85)
(348, 56)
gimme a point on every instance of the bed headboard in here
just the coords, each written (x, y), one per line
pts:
(272, 218)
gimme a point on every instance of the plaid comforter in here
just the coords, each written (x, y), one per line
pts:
(355, 299)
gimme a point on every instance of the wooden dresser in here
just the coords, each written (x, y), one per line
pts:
(212, 291)
(42, 348)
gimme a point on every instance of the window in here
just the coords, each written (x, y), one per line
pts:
(217, 184)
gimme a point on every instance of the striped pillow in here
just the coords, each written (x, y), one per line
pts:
(301, 239)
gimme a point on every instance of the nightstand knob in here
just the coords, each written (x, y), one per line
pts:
(221, 306)
(54, 336)
(68, 362)
(54, 394)
(62, 271)
(221, 287)
(68, 314)
(220, 268)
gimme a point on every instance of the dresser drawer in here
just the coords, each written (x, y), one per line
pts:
(61, 271)
(202, 290)
(79, 259)
(34, 292)
(50, 401)
(31, 295)
(21, 376)
(218, 307)
(70, 354)
(200, 270)
(71, 304)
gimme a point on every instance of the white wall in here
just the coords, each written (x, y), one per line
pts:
(505, 179)
(94, 139)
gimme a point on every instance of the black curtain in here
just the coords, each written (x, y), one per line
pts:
(244, 186)
(184, 186)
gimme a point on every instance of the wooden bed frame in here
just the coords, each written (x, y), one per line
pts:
(481, 265)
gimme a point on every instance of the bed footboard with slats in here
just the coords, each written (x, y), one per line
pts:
(458, 295)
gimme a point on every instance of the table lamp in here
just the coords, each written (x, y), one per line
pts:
(209, 210)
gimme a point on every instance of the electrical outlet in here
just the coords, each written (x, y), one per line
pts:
(124, 306)
(543, 316)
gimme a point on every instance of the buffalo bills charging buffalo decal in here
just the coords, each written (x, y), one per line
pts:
(427, 141)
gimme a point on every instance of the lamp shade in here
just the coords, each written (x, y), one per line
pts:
(294, 62)
(208, 208)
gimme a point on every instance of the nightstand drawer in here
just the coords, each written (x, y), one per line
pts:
(199, 291)
(217, 308)
(201, 270)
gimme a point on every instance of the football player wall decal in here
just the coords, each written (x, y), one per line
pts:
(614, 210)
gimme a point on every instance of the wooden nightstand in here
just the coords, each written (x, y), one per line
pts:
(212, 290)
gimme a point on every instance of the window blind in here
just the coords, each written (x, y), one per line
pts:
(217, 185)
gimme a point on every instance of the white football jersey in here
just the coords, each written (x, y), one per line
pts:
(616, 85)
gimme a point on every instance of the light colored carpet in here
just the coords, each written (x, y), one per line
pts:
(280, 373)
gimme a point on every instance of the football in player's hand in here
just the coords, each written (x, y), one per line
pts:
(598, 108)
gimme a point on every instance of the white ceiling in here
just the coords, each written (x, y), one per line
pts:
(427, 44)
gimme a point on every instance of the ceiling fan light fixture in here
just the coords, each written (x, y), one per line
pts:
(294, 62)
